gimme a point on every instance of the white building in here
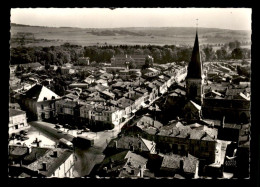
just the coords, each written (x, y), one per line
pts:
(17, 121)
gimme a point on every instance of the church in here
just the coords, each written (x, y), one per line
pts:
(234, 105)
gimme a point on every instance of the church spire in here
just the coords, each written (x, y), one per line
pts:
(195, 65)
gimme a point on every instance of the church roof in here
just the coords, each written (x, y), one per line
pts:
(195, 65)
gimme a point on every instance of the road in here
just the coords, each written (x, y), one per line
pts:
(85, 159)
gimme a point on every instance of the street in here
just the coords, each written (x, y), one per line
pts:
(85, 159)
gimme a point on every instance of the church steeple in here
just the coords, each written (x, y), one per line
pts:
(195, 65)
(194, 78)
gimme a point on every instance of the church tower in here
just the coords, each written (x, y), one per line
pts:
(194, 79)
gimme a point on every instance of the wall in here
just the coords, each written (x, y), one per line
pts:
(19, 120)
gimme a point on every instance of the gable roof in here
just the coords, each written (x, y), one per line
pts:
(38, 92)
(52, 162)
(173, 162)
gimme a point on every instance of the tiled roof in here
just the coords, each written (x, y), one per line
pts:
(52, 162)
(38, 92)
(15, 112)
(36, 153)
(173, 162)
(125, 142)
(17, 150)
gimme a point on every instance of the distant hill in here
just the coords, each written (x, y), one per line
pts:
(47, 36)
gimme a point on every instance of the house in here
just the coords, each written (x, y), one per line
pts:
(55, 162)
(39, 102)
(192, 111)
(17, 121)
(186, 166)
(100, 113)
(66, 110)
(35, 66)
(123, 165)
(132, 143)
(90, 79)
(14, 106)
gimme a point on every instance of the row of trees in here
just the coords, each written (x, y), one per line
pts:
(68, 53)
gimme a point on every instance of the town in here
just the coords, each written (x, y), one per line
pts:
(131, 117)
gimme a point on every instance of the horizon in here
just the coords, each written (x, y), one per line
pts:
(127, 27)
(219, 18)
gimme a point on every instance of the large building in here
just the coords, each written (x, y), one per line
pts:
(194, 79)
(17, 121)
(125, 60)
(39, 102)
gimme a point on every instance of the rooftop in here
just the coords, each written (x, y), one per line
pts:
(16, 112)
(173, 162)
(52, 162)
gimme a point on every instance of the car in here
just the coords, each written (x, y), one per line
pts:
(59, 131)
(24, 138)
(86, 130)
(79, 132)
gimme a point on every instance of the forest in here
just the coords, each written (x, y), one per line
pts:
(68, 53)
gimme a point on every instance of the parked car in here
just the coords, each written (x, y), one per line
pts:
(86, 130)
(57, 126)
(79, 132)
(24, 138)
(59, 131)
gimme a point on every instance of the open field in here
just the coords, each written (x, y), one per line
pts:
(47, 36)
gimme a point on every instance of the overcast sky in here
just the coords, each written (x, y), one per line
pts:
(226, 18)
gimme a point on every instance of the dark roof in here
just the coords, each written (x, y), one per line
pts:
(17, 150)
(52, 162)
(173, 162)
(34, 92)
(125, 142)
(36, 153)
(15, 112)
(195, 65)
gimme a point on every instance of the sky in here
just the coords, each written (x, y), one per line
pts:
(224, 18)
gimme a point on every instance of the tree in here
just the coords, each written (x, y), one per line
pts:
(209, 53)
(156, 53)
(221, 53)
(132, 65)
(237, 53)
(58, 70)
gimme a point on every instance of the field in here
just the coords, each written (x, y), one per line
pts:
(47, 36)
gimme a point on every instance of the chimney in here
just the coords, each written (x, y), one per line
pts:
(44, 166)
(115, 144)
(141, 171)
(29, 149)
(223, 122)
(111, 161)
(140, 146)
(55, 154)
(181, 165)
(21, 163)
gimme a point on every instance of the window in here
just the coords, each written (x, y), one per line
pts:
(53, 97)
(16, 126)
(42, 107)
(45, 98)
